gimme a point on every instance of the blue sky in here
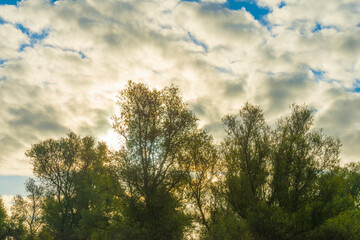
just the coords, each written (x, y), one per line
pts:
(14, 2)
(251, 6)
(62, 64)
(9, 2)
(12, 185)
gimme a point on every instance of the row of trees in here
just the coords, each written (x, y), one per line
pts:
(170, 180)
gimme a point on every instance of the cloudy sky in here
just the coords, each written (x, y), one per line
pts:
(62, 63)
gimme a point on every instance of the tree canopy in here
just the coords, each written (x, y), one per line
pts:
(170, 180)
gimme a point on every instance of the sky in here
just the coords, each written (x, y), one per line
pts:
(63, 62)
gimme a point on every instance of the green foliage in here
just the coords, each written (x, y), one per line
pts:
(285, 182)
(4, 228)
(246, 151)
(170, 181)
(300, 155)
(18, 218)
(155, 126)
(344, 226)
(74, 174)
(163, 219)
(226, 225)
(199, 162)
(26, 212)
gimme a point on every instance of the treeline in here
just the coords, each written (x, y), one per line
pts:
(169, 180)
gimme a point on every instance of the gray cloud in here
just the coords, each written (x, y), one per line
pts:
(234, 88)
(284, 89)
(43, 121)
(342, 119)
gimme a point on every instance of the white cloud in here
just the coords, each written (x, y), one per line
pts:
(10, 44)
(220, 58)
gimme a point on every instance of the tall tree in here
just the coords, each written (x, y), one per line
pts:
(55, 163)
(33, 208)
(155, 125)
(97, 193)
(246, 152)
(300, 156)
(284, 183)
(200, 164)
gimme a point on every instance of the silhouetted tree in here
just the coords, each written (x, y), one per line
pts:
(72, 171)
(285, 182)
(246, 152)
(199, 162)
(155, 126)
(170, 181)
(26, 212)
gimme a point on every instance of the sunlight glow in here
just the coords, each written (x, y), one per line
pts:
(112, 139)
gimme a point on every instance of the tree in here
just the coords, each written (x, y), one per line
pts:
(283, 182)
(18, 219)
(246, 152)
(300, 156)
(97, 193)
(225, 224)
(34, 211)
(341, 215)
(155, 126)
(26, 212)
(300, 159)
(199, 162)
(4, 228)
(55, 163)
(67, 169)
(169, 180)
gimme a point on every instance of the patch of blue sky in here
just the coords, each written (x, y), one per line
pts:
(282, 4)
(318, 74)
(314, 110)
(2, 21)
(2, 61)
(356, 86)
(34, 37)
(358, 25)
(80, 53)
(3, 79)
(319, 27)
(197, 42)
(251, 6)
(9, 2)
(222, 70)
(12, 185)
(15, 2)
(23, 29)
(52, 2)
